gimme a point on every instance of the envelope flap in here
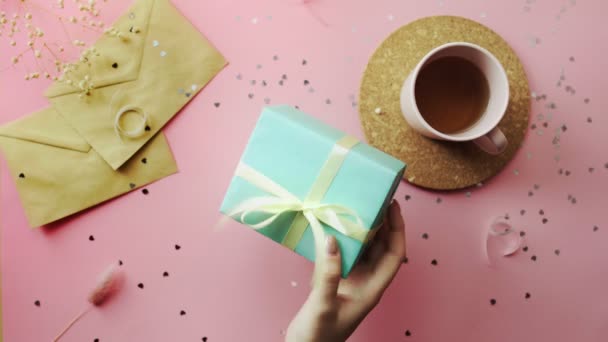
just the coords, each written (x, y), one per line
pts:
(45, 127)
(115, 59)
(177, 61)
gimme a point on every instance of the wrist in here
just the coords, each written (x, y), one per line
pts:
(310, 326)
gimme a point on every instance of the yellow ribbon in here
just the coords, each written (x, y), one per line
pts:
(310, 210)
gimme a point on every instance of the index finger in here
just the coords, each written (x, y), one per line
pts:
(389, 263)
(396, 239)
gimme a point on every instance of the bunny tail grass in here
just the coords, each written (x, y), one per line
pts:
(72, 322)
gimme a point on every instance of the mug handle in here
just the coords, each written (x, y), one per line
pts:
(493, 143)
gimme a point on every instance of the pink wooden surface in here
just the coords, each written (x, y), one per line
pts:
(236, 286)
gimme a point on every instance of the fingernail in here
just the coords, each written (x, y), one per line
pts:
(331, 245)
(396, 204)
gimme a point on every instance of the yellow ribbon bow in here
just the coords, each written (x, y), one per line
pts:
(310, 210)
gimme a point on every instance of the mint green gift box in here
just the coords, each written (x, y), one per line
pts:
(290, 148)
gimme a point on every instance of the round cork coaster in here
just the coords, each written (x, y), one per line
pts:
(431, 163)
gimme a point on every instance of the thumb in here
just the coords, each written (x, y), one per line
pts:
(328, 271)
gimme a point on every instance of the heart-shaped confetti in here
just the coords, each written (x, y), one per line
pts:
(163, 53)
(193, 87)
(155, 43)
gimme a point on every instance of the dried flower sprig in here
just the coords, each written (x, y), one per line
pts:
(111, 31)
(41, 48)
(108, 283)
(86, 86)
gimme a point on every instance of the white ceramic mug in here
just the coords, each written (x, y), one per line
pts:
(484, 133)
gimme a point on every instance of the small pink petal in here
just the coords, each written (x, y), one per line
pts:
(511, 244)
(501, 240)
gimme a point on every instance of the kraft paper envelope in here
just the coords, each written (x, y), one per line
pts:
(58, 173)
(151, 63)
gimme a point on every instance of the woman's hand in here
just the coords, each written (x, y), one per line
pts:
(335, 306)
